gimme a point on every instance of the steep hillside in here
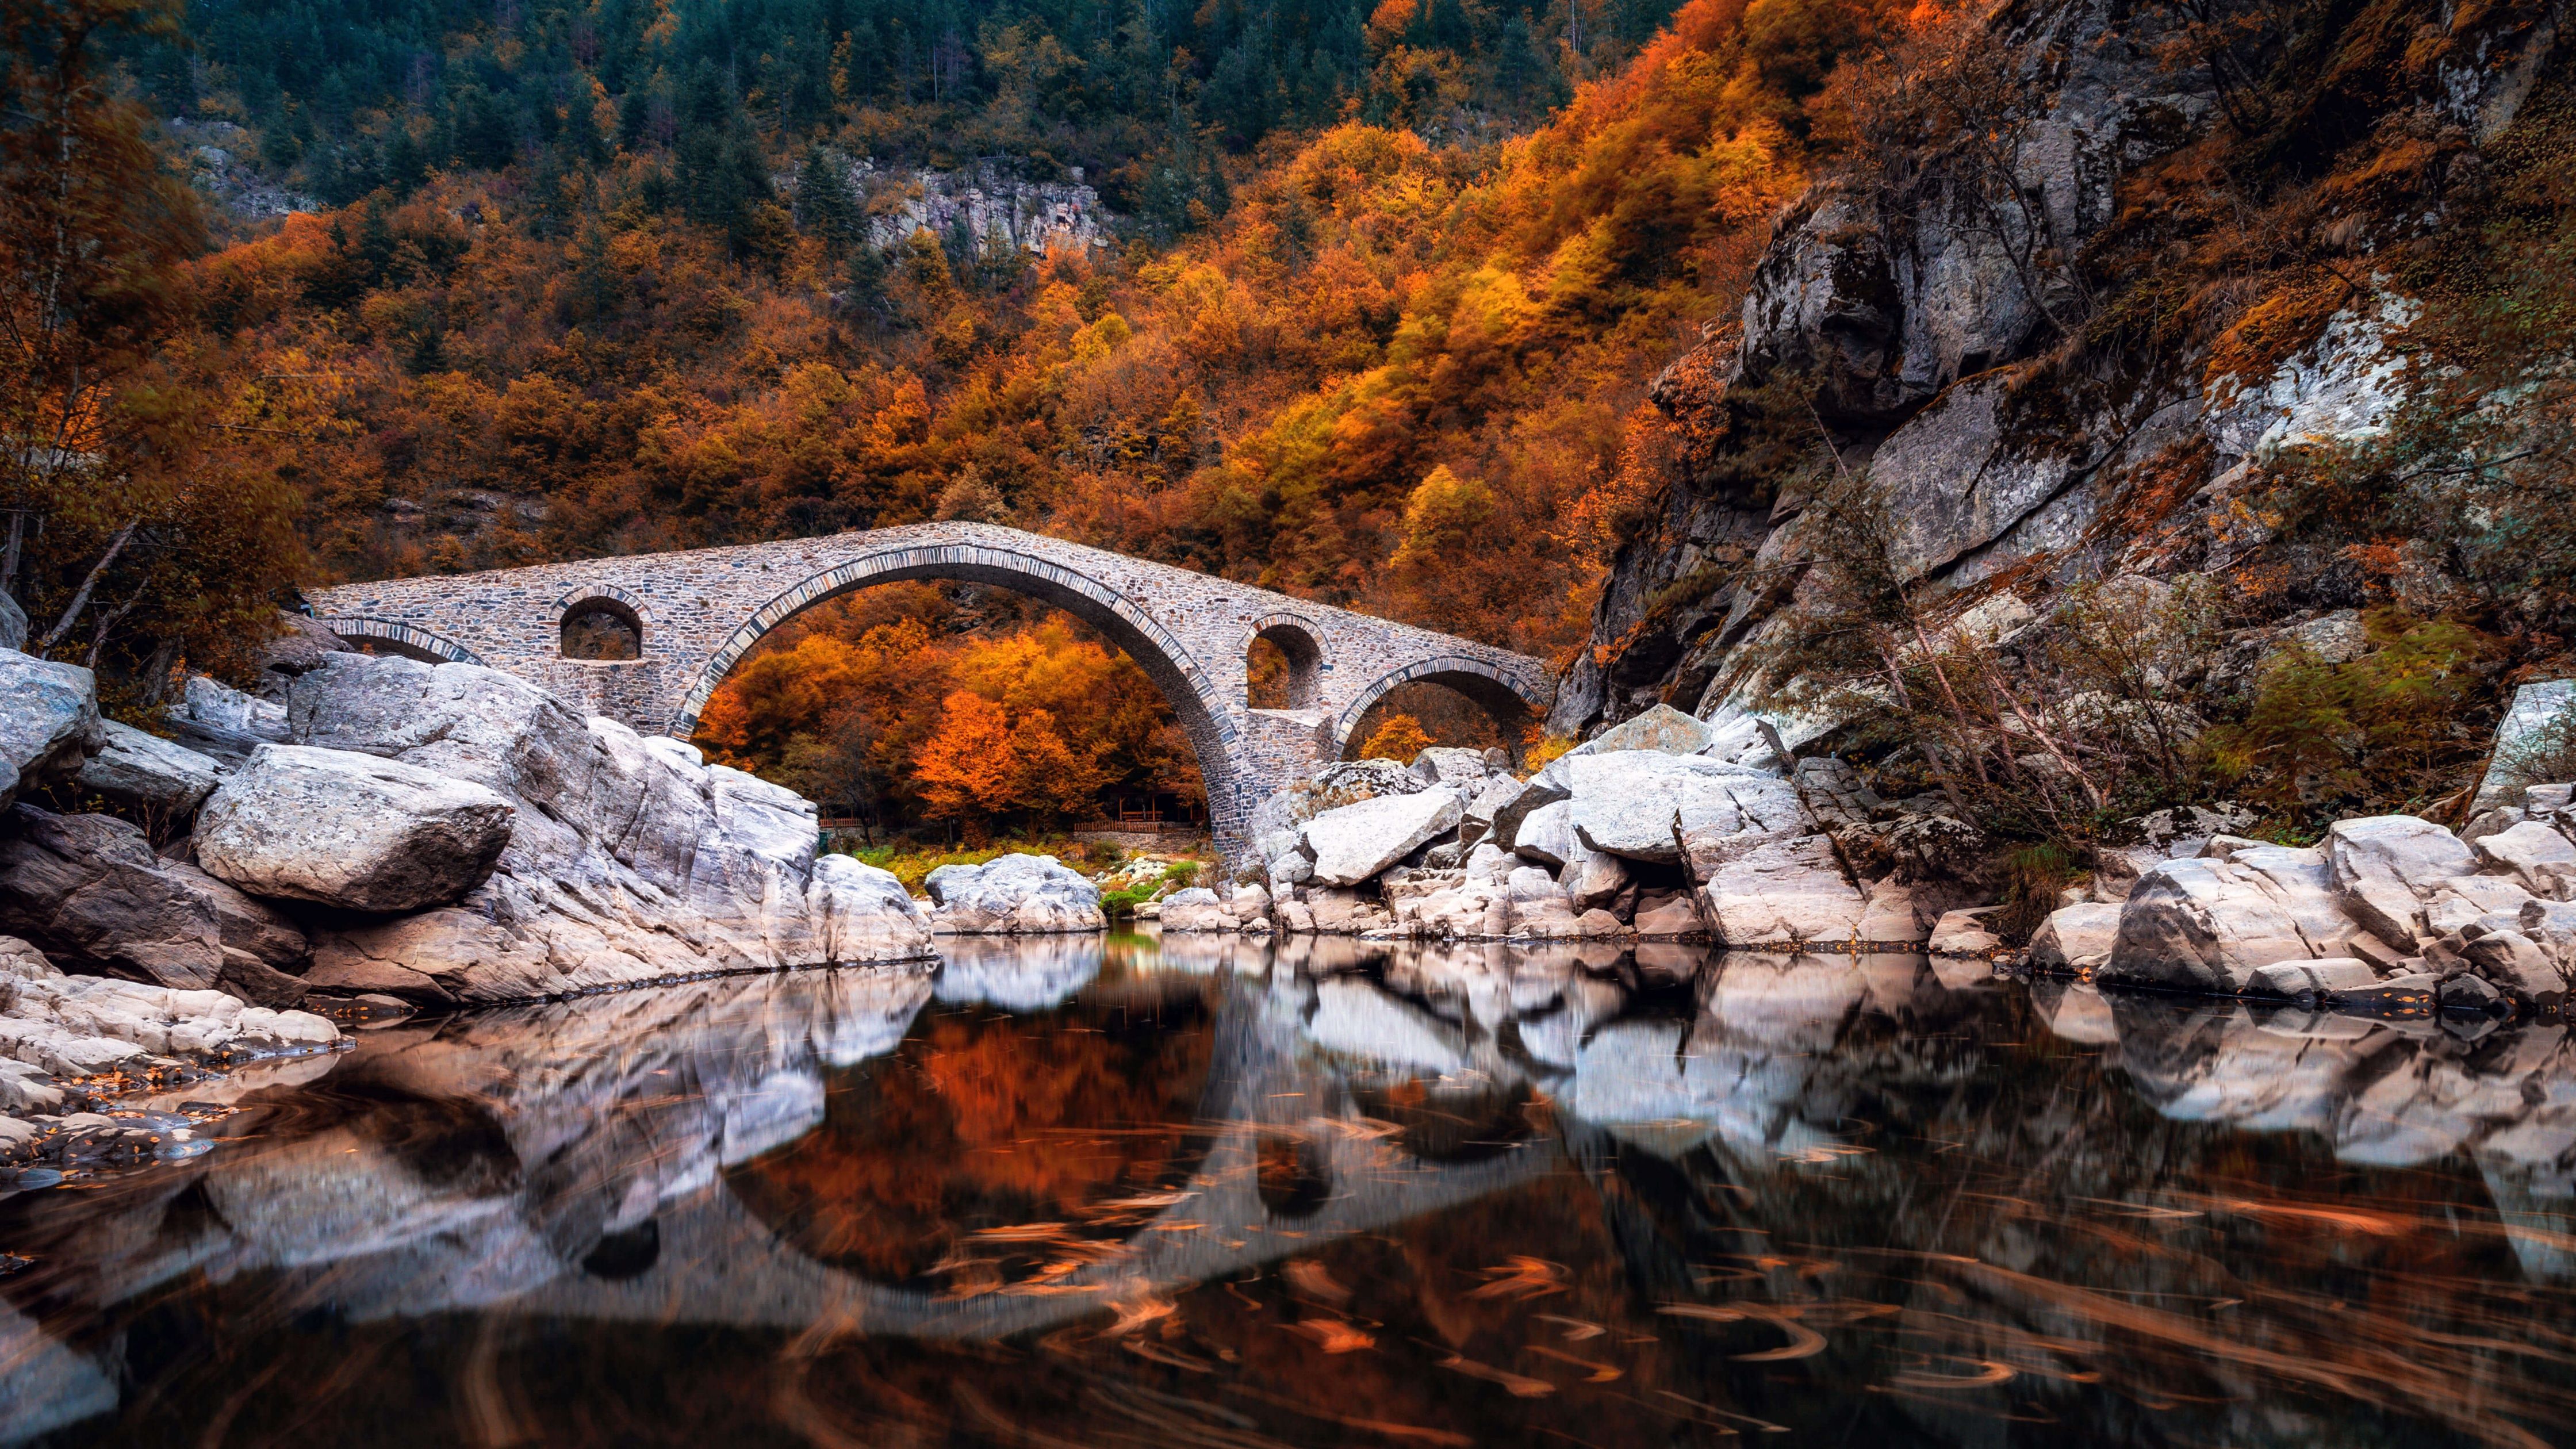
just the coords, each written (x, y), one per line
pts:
(2231, 331)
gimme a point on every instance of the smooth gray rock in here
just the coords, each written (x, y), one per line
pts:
(1512, 802)
(1014, 895)
(2208, 925)
(630, 858)
(1783, 890)
(148, 773)
(1548, 837)
(2385, 867)
(1662, 729)
(1629, 803)
(349, 830)
(2524, 851)
(215, 719)
(2076, 936)
(89, 887)
(13, 624)
(49, 722)
(2533, 709)
(1355, 842)
(1462, 770)
(2312, 978)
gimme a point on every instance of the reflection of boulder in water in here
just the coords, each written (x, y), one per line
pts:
(1017, 973)
(626, 1253)
(1294, 1174)
(989, 1144)
(2214, 1062)
(1469, 1118)
(1353, 1018)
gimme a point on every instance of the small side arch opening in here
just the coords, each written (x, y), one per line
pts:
(602, 630)
(1457, 708)
(1281, 667)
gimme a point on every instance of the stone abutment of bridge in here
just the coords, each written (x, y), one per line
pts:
(687, 619)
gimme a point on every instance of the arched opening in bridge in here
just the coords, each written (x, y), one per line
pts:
(957, 712)
(604, 630)
(1281, 668)
(1463, 710)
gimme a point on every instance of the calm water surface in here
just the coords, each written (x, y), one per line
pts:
(1080, 1193)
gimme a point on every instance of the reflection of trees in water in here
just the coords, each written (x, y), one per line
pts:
(990, 1145)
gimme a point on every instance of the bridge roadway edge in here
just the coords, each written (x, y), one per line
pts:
(701, 610)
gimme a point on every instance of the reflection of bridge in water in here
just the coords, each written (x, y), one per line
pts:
(603, 1160)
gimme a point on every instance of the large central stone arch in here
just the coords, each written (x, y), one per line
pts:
(1165, 659)
(697, 613)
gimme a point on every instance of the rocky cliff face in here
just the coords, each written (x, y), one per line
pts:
(991, 208)
(1974, 323)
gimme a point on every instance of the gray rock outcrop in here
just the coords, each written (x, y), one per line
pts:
(352, 831)
(49, 722)
(1013, 896)
(1353, 843)
(628, 858)
(91, 887)
(149, 774)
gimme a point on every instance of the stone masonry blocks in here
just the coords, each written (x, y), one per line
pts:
(703, 609)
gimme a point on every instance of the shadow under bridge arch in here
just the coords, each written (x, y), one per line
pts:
(1194, 698)
(1514, 697)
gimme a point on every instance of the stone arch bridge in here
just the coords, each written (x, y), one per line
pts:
(692, 616)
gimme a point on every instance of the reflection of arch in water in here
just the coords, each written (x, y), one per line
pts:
(931, 1165)
(723, 1261)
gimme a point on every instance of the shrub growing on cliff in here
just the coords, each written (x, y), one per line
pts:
(2040, 728)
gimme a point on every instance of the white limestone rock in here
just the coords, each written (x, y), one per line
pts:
(1628, 802)
(1355, 842)
(863, 913)
(84, 1025)
(2532, 853)
(2312, 978)
(1783, 891)
(2385, 867)
(1662, 729)
(2208, 925)
(1462, 770)
(148, 773)
(2074, 938)
(1963, 933)
(630, 858)
(49, 722)
(1016, 895)
(347, 830)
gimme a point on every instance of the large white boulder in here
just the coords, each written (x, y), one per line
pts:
(348, 830)
(2532, 853)
(1355, 842)
(1784, 891)
(1630, 802)
(1662, 729)
(48, 722)
(2385, 867)
(1014, 895)
(2076, 937)
(863, 913)
(148, 773)
(2208, 925)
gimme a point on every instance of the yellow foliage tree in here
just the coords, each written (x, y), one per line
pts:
(1399, 737)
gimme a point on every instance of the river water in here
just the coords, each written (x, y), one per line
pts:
(1197, 1193)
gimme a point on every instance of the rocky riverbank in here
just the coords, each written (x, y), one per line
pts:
(1667, 828)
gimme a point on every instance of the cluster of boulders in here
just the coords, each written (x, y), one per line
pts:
(2389, 911)
(437, 834)
(1663, 828)
(68, 1044)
